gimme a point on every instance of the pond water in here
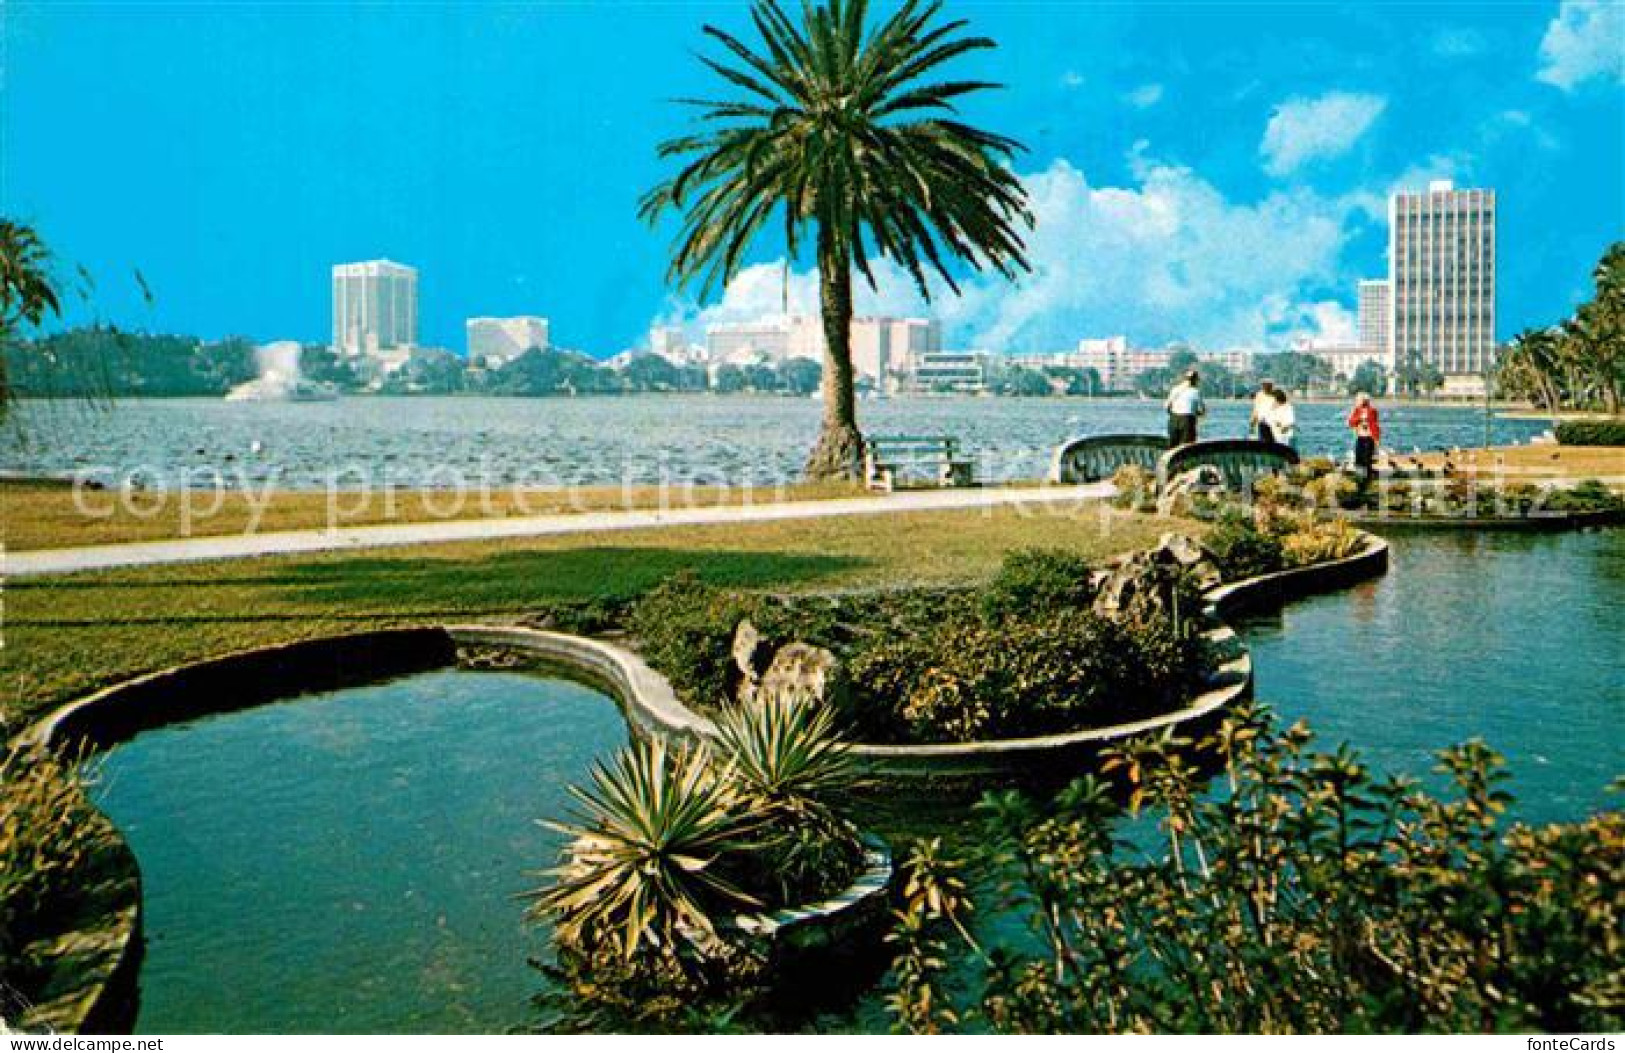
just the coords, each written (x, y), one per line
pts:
(349, 861)
(1518, 639)
(732, 440)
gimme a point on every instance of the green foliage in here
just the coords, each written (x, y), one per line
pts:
(672, 844)
(1038, 581)
(48, 841)
(1591, 433)
(1579, 364)
(99, 361)
(1301, 894)
(1321, 541)
(1037, 674)
(685, 628)
(1241, 549)
(1136, 488)
(1590, 495)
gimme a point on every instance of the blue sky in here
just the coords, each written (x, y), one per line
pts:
(1214, 173)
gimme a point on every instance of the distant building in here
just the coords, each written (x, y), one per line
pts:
(375, 310)
(671, 343)
(1346, 359)
(883, 347)
(773, 339)
(1375, 318)
(1441, 259)
(1236, 360)
(494, 342)
(958, 371)
(1117, 364)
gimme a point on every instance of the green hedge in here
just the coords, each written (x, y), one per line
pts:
(1591, 433)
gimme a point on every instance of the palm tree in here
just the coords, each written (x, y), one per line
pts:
(27, 294)
(836, 131)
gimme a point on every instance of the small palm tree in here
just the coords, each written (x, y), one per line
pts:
(838, 134)
(27, 293)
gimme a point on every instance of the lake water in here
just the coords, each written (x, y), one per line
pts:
(349, 861)
(703, 439)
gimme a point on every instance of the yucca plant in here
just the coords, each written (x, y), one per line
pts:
(785, 753)
(640, 873)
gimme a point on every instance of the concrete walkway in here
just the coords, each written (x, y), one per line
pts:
(239, 546)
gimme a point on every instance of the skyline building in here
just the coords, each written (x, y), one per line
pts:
(1441, 271)
(375, 309)
(1375, 315)
(498, 341)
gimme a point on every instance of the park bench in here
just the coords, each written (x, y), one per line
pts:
(1096, 457)
(889, 458)
(1239, 461)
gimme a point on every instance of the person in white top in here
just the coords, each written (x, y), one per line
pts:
(1184, 405)
(1263, 406)
(1282, 420)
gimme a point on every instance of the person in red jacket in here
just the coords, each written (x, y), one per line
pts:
(1367, 428)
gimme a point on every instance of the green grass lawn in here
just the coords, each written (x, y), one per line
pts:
(66, 636)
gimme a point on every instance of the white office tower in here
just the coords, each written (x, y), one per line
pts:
(1375, 315)
(494, 342)
(882, 347)
(375, 309)
(1441, 260)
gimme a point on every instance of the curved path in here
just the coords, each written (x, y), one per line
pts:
(238, 546)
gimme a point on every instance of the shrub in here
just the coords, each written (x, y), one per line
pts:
(671, 844)
(685, 629)
(1024, 676)
(1591, 495)
(48, 843)
(1242, 550)
(1321, 542)
(1034, 581)
(1136, 488)
(1299, 893)
(1591, 433)
(1334, 490)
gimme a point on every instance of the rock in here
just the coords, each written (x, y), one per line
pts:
(1157, 581)
(751, 651)
(802, 674)
(1176, 496)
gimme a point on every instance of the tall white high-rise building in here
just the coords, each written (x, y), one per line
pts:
(1441, 269)
(1375, 315)
(375, 307)
(497, 341)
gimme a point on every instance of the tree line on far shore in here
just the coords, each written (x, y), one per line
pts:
(1578, 364)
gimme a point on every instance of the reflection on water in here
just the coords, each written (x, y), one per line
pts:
(1512, 638)
(704, 439)
(348, 862)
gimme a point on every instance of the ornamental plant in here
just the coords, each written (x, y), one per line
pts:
(1297, 892)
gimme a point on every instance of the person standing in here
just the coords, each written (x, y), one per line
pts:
(1263, 405)
(1184, 405)
(1367, 428)
(1281, 420)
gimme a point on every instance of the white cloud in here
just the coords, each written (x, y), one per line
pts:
(1071, 79)
(1145, 96)
(1168, 257)
(1585, 40)
(1303, 130)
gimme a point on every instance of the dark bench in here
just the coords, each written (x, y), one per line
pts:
(888, 458)
(1096, 457)
(1240, 461)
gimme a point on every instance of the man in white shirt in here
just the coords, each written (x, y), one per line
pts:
(1263, 407)
(1184, 404)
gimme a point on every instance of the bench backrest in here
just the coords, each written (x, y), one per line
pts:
(1240, 461)
(1096, 457)
(880, 446)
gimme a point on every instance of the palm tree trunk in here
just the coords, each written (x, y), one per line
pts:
(839, 451)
